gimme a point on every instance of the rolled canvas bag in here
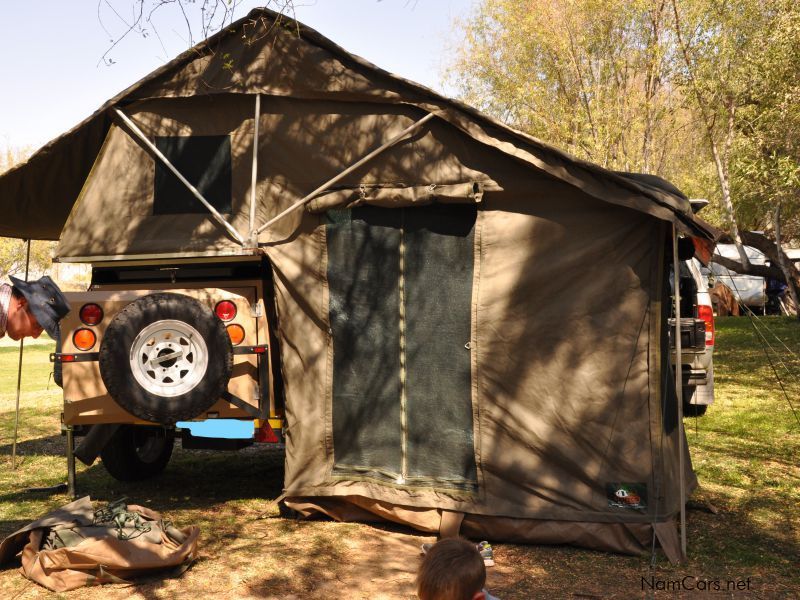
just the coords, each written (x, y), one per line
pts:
(76, 546)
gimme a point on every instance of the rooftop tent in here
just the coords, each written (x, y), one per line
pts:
(471, 323)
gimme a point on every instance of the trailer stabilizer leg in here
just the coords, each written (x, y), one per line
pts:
(71, 463)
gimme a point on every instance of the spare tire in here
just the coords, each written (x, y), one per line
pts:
(166, 358)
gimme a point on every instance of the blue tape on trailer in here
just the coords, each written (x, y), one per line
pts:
(229, 429)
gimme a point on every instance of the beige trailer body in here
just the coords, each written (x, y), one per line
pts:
(86, 399)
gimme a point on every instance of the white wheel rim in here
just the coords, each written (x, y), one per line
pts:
(169, 358)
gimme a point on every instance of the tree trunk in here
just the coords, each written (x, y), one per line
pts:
(721, 163)
(782, 262)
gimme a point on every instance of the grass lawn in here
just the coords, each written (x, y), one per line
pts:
(746, 452)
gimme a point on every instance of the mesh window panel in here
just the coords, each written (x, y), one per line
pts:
(205, 161)
(438, 243)
(363, 275)
(371, 339)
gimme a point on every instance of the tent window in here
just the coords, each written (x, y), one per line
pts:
(205, 160)
(400, 285)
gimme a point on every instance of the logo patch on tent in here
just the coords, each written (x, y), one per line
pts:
(627, 495)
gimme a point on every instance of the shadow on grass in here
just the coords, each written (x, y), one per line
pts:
(53, 445)
(194, 479)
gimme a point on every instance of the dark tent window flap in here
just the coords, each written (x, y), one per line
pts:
(400, 307)
(205, 160)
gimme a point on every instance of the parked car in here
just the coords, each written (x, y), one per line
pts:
(697, 339)
(749, 290)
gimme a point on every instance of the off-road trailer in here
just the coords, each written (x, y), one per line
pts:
(152, 348)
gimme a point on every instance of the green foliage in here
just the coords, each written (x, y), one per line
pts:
(765, 163)
(584, 75)
(702, 92)
(13, 254)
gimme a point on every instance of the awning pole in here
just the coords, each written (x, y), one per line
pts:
(143, 138)
(19, 374)
(253, 236)
(347, 171)
(679, 387)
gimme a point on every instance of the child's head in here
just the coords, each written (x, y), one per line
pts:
(451, 570)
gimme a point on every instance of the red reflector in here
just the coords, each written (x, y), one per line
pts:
(706, 313)
(225, 310)
(266, 434)
(67, 358)
(91, 314)
(259, 349)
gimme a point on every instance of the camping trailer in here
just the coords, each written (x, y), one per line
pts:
(469, 325)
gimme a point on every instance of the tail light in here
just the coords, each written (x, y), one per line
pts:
(705, 313)
(225, 310)
(84, 339)
(91, 314)
(236, 333)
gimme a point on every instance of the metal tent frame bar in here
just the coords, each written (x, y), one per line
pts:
(305, 200)
(152, 147)
(679, 387)
(254, 178)
(254, 232)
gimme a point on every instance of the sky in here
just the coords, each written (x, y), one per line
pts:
(53, 75)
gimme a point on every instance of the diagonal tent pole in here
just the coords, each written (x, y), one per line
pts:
(679, 387)
(195, 192)
(414, 126)
(19, 373)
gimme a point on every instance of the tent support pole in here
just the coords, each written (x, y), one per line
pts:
(19, 373)
(679, 387)
(347, 171)
(253, 235)
(150, 146)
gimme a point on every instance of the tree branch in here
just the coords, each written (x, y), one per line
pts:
(750, 269)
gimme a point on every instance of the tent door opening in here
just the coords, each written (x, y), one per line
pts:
(400, 283)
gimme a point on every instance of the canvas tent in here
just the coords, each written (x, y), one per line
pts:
(472, 324)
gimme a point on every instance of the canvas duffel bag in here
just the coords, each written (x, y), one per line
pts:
(76, 545)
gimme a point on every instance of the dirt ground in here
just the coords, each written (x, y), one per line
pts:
(248, 551)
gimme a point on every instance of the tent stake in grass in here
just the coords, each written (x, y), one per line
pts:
(19, 373)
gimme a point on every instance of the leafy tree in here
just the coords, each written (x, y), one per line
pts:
(702, 92)
(592, 76)
(740, 67)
